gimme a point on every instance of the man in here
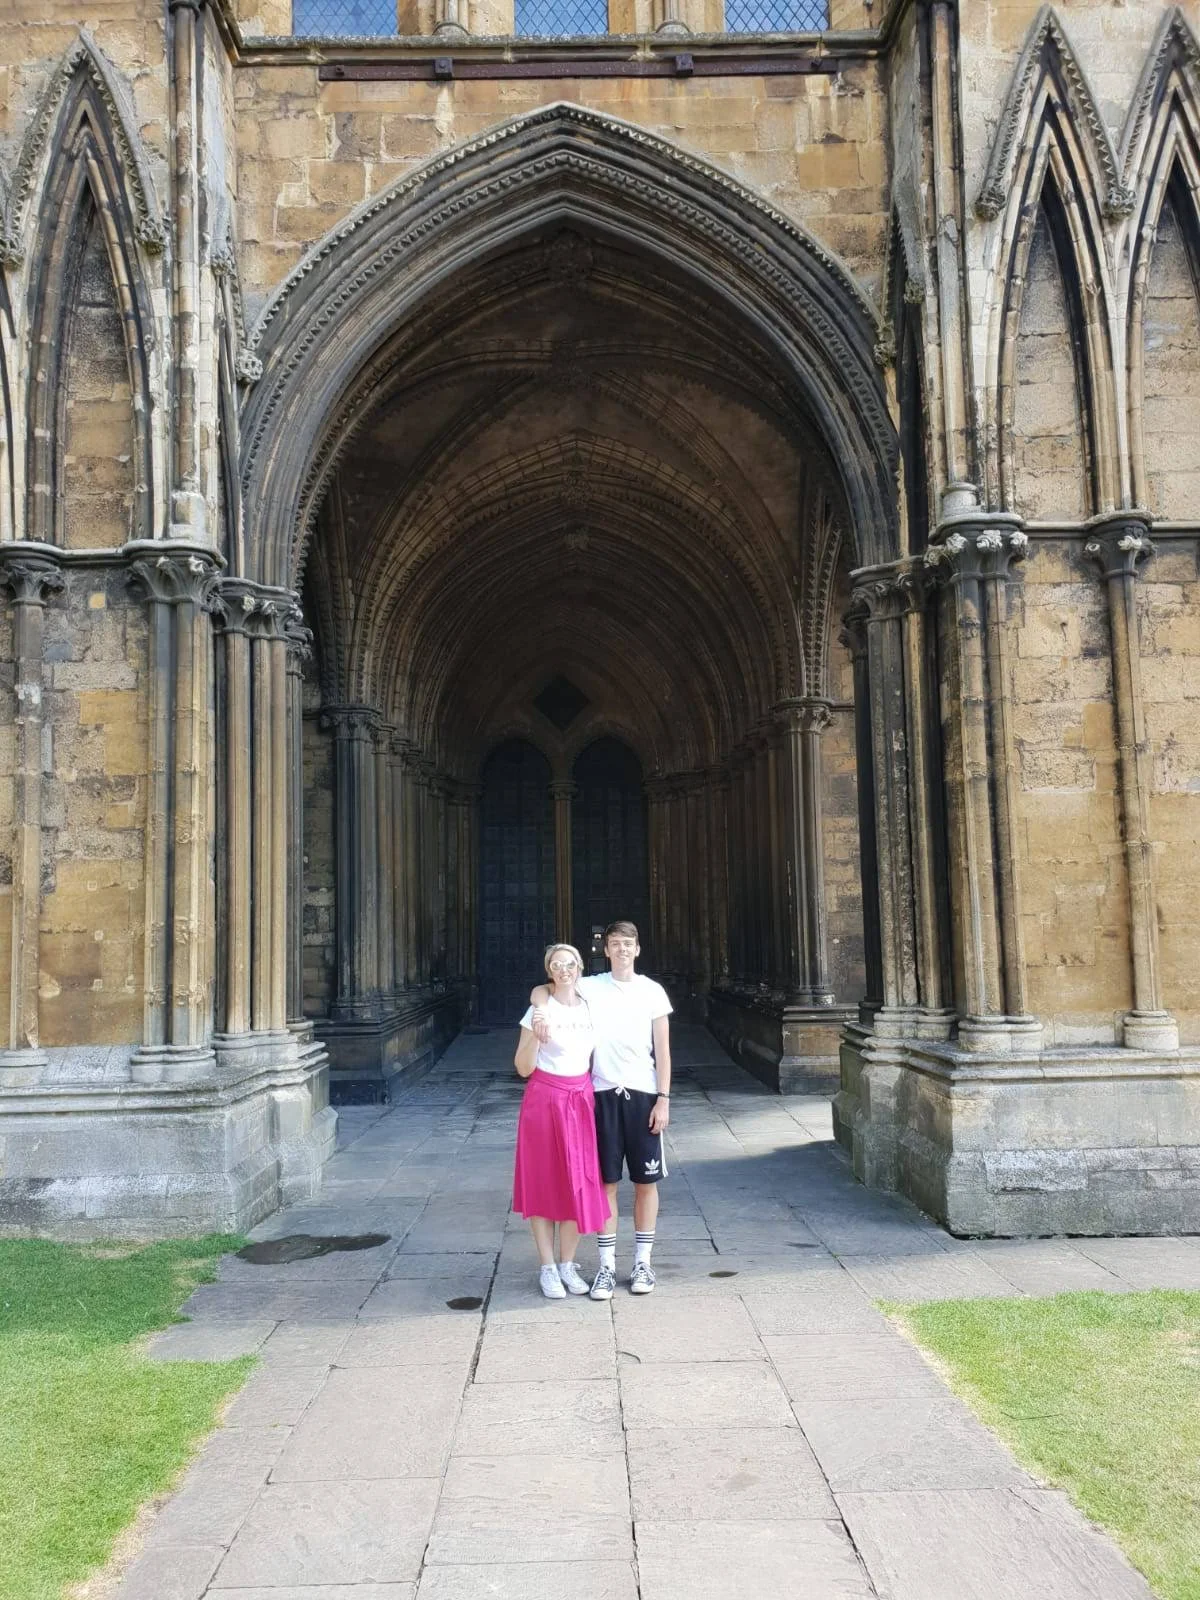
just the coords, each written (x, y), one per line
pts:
(631, 1076)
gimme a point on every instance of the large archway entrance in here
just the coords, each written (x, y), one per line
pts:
(574, 521)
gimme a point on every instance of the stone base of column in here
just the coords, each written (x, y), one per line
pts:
(790, 1048)
(369, 1057)
(1081, 1140)
(182, 1145)
(17, 1065)
(1149, 1030)
(1001, 1036)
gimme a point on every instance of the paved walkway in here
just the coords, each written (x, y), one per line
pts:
(753, 1428)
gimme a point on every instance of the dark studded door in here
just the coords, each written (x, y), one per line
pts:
(516, 879)
(609, 873)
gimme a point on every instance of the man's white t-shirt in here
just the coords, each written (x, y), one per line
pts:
(624, 1015)
(572, 1036)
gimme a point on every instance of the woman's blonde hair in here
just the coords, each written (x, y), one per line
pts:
(559, 945)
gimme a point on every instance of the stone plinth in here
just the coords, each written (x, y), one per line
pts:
(1084, 1140)
(793, 1049)
(371, 1055)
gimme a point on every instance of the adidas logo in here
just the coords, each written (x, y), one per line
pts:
(651, 1166)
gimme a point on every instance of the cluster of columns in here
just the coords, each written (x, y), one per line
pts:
(737, 866)
(406, 873)
(939, 814)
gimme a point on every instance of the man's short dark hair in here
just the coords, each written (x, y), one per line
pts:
(627, 930)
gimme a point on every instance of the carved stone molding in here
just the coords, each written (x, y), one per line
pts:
(261, 612)
(1175, 54)
(31, 580)
(987, 552)
(1048, 54)
(884, 593)
(1119, 545)
(804, 715)
(178, 578)
(83, 58)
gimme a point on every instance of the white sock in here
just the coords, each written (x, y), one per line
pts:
(606, 1244)
(643, 1244)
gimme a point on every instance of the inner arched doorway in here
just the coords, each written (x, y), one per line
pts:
(590, 496)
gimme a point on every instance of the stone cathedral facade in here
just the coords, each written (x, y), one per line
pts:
(469, 472)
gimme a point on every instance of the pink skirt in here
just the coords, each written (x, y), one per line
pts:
(557, 1170)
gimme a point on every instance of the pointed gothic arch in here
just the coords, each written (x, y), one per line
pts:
(561, 163)
(1053, 158)
(81, 159)
(1160, 150)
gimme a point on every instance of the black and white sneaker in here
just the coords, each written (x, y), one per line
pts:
(603, 1284)
(641, 1279)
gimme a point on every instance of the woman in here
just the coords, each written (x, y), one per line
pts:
(557, 1175)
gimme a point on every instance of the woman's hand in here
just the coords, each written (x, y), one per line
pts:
(541, 1024)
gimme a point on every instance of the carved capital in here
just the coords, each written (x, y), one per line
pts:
(852, 635)
(976, 549)
(185, 577)
(359, 724)
(29, 579)
(259, 611)
(298, 637)
(885, 593)
(1119, 544)
(563, 789)
(804, 714)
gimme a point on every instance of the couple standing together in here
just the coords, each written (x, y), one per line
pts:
(597, 1056)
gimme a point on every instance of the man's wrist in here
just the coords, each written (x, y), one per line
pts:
(664, 1094)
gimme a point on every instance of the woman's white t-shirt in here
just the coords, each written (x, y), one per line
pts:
(572, 1038)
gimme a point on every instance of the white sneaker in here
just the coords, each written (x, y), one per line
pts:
(604, 1283)
(573, 1279)
(552, 1286)
(641, 1279)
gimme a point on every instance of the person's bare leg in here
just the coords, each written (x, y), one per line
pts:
(543, 1238)
(568, 1241)
(645, 1207)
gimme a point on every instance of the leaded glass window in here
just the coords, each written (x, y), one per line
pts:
(351, 19)
(776, 16)
(559, 19)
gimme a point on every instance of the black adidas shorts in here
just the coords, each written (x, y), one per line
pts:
(623, 1136)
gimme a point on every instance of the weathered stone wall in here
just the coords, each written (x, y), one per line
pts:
(1171, 367)
(1073, 875)
(309, 152)
(843, 874)
(1169, 619)
(1049, 466)
(93, 910)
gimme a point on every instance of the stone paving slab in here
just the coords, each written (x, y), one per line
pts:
(715, 1474)
(729, 1560)
(376, 1423)
(986, 1544)
(328, 1533)
(533, 1580)
(756, 1427)
(904, 1443)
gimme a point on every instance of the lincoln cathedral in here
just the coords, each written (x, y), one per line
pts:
(471, 471)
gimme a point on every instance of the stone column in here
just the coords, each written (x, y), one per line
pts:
(802, 722)
(386, 892)
(412, 868)
(884, 601)
(717, 802)
(299, 646)
(700, 881)
(399, 850)
(1118, 545)
(238, 821)
(655, 789)
(737, 846)
(188, 508)
(980, 782)
(761, 835)
(453, 20)
(181, 586)
(31, 580)
(776, 864)
(854, 637)
(562, 792)
(422, 773)
(668, 17)
(357, 862)
(471, 796)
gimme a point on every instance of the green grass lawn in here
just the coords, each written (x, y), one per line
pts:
(89, 1428)
(1097, 1393)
